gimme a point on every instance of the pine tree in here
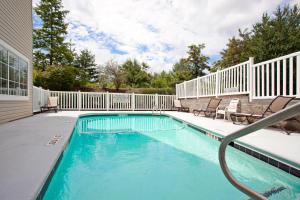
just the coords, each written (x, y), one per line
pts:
(197, 62)
(86, 61)
(49, 43)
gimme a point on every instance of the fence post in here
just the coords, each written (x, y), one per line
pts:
(184, 89)
(217, 83)
(133, 102)
(298, 78)
(250, 79)
(79, 100)
(197, 87)
(156, 101)
(176, 91)
(107, 101)
(40, 99)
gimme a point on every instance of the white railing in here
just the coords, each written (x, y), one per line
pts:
(102, 100)
(265, 80)
(279, 76)
(234, 80)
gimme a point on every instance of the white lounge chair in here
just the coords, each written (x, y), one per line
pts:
(233, 107)
(51, 105)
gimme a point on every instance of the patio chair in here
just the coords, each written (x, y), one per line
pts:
(211, 108)
(279, 103)
(51, 105)
(179, 107)
(233, 107)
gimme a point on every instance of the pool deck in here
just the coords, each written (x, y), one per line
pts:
(27, 160)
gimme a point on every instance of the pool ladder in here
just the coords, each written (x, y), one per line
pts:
(287, 113)
(155, 108)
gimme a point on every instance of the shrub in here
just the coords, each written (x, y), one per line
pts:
(61, 78)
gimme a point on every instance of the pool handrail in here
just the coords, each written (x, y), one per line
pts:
(287, 113)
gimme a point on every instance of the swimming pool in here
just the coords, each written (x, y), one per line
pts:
(156, 157)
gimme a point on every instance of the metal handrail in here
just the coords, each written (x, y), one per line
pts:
(287, 113)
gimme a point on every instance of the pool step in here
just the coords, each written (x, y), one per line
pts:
(272, 191)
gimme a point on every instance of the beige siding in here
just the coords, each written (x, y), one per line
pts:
(16, 31)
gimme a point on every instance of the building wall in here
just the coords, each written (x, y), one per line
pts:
(256, 106)
(16, 31)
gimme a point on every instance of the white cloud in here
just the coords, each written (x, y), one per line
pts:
(154, 23)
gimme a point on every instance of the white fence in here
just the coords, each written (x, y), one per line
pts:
(265, 80)
(279, 76)
(39, 98)
(102, 101)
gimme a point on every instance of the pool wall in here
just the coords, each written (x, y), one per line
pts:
(265, 157)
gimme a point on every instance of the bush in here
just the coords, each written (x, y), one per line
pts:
(61, 78)
(152, 90)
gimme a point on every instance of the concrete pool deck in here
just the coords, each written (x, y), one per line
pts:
(27, 160)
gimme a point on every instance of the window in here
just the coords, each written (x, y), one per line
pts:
(13, 74)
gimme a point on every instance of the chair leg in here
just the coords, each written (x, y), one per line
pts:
(234, 120)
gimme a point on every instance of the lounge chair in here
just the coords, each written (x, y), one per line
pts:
(279, 103)
(211, 108)
(233, 107)
(179, 107)
(51, 105)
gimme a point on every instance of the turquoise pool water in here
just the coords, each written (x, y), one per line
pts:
(156, 158)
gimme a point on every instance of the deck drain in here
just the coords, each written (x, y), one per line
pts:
(54, 140)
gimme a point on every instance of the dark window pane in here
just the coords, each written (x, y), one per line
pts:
(25, 79)
(13, 61)
(3, 55)
(3, 86)
(17, 74)
(11, 74)
(12, 90)
(3, 71)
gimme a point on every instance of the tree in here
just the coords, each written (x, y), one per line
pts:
(61, 78)
(276, 36)
(114, 73)
(181, 71)
(86, 61)
(237, 50)
(197, 62)
(135, 74)
(49, 43)
(162, 80)
(273, 36)
(102, 79)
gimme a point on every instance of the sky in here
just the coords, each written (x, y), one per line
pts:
(158, 32)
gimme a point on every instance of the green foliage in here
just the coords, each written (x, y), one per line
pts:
(62, 78)
(273, 36)
(276, 36)
(162, 80)
(135, 74)
(181, 71)
(235, 53)
(167, 90)
(49, 43)
(196, 61)
(86, 61)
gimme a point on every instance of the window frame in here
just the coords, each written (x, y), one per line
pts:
(7, 97)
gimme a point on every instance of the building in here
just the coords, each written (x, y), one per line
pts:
(15, 59)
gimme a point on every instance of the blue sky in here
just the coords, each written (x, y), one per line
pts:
(158, 31)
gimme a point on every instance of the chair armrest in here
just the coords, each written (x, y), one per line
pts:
(221, 108)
